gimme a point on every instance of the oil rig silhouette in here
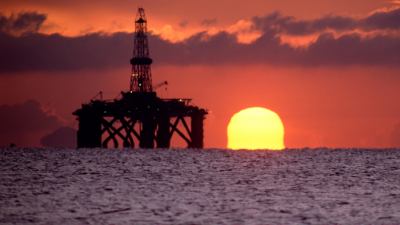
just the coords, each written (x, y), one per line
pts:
(139, 116)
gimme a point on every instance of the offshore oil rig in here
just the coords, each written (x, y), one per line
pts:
(139, 117)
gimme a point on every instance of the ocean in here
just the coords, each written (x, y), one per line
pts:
(189, 186)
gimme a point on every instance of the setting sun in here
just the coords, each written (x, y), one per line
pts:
(256, 128)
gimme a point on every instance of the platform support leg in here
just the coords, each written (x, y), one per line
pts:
(89, 132)
(147, 132)
(163, 132)
(197, 133)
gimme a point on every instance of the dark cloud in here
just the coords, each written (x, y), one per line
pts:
(290, 25)
(39, 52)
(96, 51)
(62, 137)
(22, 23)
(353, 49)
(382, 20)
(21, 122)
(58, 53)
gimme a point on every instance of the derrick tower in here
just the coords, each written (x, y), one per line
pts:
(141, 61)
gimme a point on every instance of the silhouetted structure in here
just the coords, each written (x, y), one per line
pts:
(141, 70)
(139, 115)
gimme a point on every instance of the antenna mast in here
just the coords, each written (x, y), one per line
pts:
(141, 61)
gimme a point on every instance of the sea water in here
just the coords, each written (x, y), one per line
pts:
(188, 186)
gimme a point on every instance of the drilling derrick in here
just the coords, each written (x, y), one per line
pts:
(139, 118)
(141, 62)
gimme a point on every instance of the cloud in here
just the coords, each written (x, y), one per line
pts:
(379, 20)
(289, 25)
(21, 123)
(62, 137)
(22, 23)
(352, 50)
(388, 19)
(54, 52)
(41, 52)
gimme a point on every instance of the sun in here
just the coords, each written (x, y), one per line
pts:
(256, 128)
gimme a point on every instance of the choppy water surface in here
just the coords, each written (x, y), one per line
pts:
(54, 186)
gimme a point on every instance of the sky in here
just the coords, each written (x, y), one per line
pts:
(330, 69)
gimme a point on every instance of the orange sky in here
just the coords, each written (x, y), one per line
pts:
(328, 105)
